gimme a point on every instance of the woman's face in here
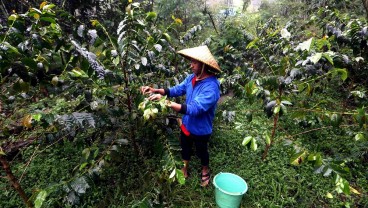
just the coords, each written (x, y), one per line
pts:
(196, 66)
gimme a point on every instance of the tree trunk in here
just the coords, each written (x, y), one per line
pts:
(13, 181)
(212, 21)
(206, 11)
(365, 4)
(245, 5)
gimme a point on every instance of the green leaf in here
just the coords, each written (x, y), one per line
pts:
(37, 117)
(246, 140)
(116, 61)
(238, 125)
(150, 113)
(41, 197)
(76, 72)
(305, 46)
(142, 105)
(48, 7)
(173, 173)
(329, 195)
(12, 17)
(151, 15)
(29, 62)
(283, 109)
(358, 59)
(48, 19)
(141, 23)
(301, 87)
(158, 47)
(340, 169)
(316, 57)
(342, 72)
(81, 167)
(95, 154)
(336, 119)
(268, 139)
(309, 89)
(328, 57)
(322, 43)
(359, 136)
(86, 152)
(298, 158)
(9, 48)
(253, 43)
(144, 61)
(180, 177)
(342, 185)
(2, 152)
(360, 94)
(312, 157)
(32, 10)
(254, 145)
(122, 141)
(251, 89)
(285, 102)
(317, 158)
(276, 109)
(167, 37)
(285, 34)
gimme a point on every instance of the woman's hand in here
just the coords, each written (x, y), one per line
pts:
(155, 97)
(147, 90)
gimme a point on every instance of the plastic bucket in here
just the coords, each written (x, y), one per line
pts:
(229, 190)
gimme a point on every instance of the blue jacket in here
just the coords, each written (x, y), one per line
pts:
(200, 104)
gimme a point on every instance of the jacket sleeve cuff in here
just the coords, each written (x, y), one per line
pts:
(183, 109)
(167, 92)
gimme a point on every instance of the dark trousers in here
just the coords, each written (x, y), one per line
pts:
(201, 147)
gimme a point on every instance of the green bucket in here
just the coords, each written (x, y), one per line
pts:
(229, 190)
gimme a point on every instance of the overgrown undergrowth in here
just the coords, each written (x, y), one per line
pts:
(137, 181)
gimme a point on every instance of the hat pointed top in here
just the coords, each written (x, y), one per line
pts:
(202, 54)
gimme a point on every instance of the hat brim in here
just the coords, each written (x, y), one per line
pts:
(202, 54)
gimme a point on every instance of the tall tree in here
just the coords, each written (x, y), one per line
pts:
(245, 4)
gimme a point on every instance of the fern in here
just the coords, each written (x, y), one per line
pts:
(131, 42)
(191, 33)
(91, 58)
(77, 119)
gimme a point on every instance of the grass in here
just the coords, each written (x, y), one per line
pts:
(49, 168)
(272, 183)
(137, 181)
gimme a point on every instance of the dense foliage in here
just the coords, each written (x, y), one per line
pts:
(75, 128)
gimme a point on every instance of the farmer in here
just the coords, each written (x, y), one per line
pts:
(202, 90)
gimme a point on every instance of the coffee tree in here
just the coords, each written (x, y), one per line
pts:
(80, 87)
(284, 69)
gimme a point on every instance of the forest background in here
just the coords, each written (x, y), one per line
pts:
(76, 132)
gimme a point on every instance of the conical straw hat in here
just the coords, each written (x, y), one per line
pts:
(202, 54)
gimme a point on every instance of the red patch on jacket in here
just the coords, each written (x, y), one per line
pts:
(184, 130)
(194, 81)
